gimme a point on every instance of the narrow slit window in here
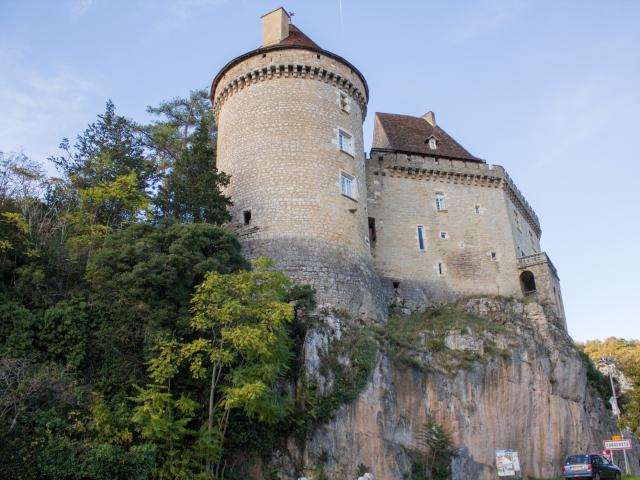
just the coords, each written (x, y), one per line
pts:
(421, 243)
(246, 217)
(477, 209)
(493, 255)
(440, 269)
(440, 204)
(372, 229)
(347, 185)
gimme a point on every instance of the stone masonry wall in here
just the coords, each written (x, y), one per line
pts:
(478, 256)
(278, 139)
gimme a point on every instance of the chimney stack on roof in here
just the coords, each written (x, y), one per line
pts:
(275, 27)
(431, 118)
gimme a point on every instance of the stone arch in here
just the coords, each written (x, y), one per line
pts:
(528, 282)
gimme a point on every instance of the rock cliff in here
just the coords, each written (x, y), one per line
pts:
(495, 373)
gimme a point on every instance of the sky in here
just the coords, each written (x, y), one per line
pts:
(548, 89)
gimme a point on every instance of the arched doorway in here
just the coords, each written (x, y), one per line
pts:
(527, 282)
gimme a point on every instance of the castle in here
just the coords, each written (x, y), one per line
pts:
(421, 220)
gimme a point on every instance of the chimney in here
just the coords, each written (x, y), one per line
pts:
(430, 117)
(275, 27)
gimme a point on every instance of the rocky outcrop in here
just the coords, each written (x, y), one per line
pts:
(495, 373)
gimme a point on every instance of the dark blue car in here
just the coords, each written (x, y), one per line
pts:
(590, 466)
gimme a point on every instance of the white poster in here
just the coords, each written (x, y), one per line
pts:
(507, 463)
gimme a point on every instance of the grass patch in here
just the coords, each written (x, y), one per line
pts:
(418, 339)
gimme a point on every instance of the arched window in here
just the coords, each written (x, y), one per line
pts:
(527, 282)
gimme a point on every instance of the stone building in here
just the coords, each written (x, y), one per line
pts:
(420, 221)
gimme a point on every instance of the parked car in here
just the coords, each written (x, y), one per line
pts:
(590, 465)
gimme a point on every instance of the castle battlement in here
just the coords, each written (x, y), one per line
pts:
(433, 168)
(290, 70)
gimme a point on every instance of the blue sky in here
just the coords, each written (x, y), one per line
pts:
(548, 89)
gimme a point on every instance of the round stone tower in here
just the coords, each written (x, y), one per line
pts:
(289, 118)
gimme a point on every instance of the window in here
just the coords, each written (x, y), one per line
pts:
(421, 243)
(345, 142)
(493, 255)
(343, 100)
(533, 242)
(396, 285)
(246, 217)
(440, 205)
(478, 209)
(444, 235)
(372, 229)
(347, 185)
(440, 269)
(432, 142)
(517, 220)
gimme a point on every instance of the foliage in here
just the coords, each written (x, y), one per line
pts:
(140, 284)
(626, 355)
(175, 122)
(99, 293)
(436, 450)
(418, 339)
(349, 362)
(114, 140)
(191, 189)
(240, 348)
(596, 380)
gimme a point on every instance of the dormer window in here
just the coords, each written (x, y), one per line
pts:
(432, 142)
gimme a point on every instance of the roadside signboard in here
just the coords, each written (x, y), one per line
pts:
(507, 463)
(617, 444)
(616, 437)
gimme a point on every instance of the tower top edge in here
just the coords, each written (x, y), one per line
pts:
(258, 51)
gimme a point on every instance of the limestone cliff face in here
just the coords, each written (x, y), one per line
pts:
(521, 386)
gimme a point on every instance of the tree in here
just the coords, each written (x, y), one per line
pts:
(191, 189)
(24, 384)
(435, 454)
(21, 180)
(140, 284)
(117, 142)
(626, 355)
(22, 183)
(241, 348)
(177, 120)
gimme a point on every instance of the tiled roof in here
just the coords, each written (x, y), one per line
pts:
(410, 134)
(297, 38)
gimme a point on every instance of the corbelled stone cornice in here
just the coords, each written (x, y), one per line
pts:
(453, 171)
(288, 71)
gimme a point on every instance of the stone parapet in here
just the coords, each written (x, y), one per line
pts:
(537, 259)
(388, 162)
(285, 71)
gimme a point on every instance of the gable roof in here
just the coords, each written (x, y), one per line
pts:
(409, 134)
